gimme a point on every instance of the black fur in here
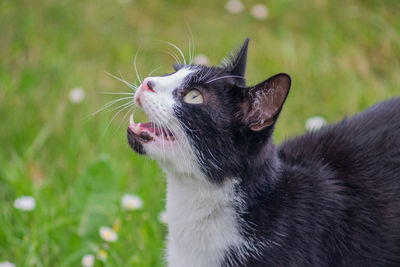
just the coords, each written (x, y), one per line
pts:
(135, 142)
(335, 200)
(328, 198)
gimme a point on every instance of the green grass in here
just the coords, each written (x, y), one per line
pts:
(343, 56)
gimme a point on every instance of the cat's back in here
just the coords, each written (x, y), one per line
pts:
(360, 156)
(367, 143)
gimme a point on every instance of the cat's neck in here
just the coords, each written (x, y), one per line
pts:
(199, 195)
(264, 172)
(204, 217)
(202, 221)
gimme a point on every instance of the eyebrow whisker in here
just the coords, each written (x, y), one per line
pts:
(179, 50)
(136, 70)
(223, 77)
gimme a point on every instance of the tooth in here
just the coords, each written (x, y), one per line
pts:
(137, 129)
(131, 121)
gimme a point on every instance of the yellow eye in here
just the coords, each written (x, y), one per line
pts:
(193, 97)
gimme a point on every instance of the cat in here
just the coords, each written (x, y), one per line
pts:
(330, 197)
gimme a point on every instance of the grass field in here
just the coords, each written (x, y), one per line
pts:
(342, 55)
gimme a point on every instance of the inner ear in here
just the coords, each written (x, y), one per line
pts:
(263, 102)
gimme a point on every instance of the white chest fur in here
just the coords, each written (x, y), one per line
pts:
(202, 222)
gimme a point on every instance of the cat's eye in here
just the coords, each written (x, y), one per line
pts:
(193, 97)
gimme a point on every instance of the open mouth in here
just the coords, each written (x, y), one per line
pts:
(149, 131)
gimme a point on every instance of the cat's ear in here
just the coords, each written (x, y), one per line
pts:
(238, 64)
(263, 102)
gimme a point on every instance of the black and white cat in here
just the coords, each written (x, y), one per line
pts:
(328, 198)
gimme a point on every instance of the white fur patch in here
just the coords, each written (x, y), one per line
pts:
(202, 222)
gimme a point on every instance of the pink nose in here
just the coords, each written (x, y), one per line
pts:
(147, 85)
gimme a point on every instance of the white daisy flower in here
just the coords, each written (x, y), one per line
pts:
(162, 217)
(88, 260)
(76, 95)
(131, 202)
(7, 264)
(201, 59)
(102, 255)
(259, 11)
(25, 203)
(314, 123)
(234, 6)
(108, 234)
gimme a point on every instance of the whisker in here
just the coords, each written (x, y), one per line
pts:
(179, 50)
(123, 118)
(116, 114)
(169, 52)
(109, 104)
(123, 81)
(122, 77)
(122, 105)
(134, 63)
(190, 52)
(159, 127)
(112, 93)
(191, 46)
(206, 75)
(151, 72)
(174, 128)
(223, 77)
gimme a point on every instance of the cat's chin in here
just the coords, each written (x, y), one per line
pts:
(134, 142)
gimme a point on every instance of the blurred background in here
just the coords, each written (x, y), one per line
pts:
(86, 192)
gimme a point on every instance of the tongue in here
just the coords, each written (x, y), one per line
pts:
(162, 131)
(149, 126)
(153, 128)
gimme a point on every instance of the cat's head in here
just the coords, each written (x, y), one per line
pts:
(205, 121)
